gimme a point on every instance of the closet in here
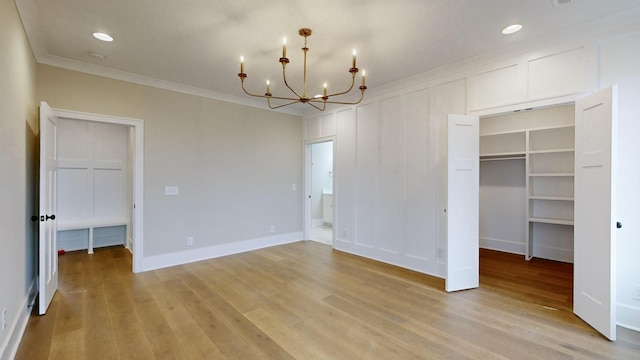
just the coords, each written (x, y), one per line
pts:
(526, 183)
(94, 182)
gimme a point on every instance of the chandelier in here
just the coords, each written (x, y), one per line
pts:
(319, 101)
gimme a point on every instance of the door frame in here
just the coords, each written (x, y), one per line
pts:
(307, 221)
(138, 172)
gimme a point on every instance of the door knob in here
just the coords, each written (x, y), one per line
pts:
(52, 217)
(618, 225)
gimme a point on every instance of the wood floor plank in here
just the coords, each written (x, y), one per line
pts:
(131, 341)
(157, 330)
(194, 341)
(99, 334)
(360, 338)
(307, 301)
(208, 320)
(260, 342)
(40, 332)
(230, 286)
(68, 334)
(422, 345)
(292, 341)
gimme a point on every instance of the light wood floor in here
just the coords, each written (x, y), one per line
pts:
(307, 301)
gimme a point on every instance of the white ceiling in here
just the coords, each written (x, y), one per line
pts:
(198, 42)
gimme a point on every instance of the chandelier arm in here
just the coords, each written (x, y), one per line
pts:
(294, 100)
(317, 107)
(284, 77)
(341, 102)
(279, 106)
(353, 80)
(250, 94)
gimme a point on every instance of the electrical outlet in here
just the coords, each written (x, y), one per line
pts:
(4, 319)
(636, 293)
(344, 234)
(438, 253)
(272, 228)
(190, 241)
(171, 190)
(293, 187)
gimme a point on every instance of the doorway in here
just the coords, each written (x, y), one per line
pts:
(134, 137)
(585, 154)
(320, 212)
(527, 181)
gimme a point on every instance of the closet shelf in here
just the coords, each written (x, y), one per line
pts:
(551, 151)
(551, 174)
(551, 221)
(552, 198)
(502, 156)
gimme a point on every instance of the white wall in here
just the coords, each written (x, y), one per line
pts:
(374, 216)
(385, 184)
(18, 129)
(92, 172)
(502, 205)
(234, 166)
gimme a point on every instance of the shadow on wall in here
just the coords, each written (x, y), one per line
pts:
(32, 150)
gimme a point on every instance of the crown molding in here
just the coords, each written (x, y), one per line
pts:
(155, 83)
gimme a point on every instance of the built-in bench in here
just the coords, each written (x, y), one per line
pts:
(90, 226)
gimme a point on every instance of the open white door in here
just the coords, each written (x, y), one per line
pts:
(463, 203)
(594, 282)
(48, 232)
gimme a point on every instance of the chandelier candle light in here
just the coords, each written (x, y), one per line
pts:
(318, 102)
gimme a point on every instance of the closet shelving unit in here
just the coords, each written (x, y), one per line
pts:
(548, 153)
(506, 145)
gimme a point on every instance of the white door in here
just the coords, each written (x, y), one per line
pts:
(463, 203)
(48, 230)
(595, 203)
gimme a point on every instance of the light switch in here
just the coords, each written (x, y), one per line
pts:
(171, 190)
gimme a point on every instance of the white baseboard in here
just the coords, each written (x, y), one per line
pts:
(550, 253)
(73, 244)
(628, 317)
(422, 265)
(19, 325)
(189, 256)
(509, 246)
(513, 247)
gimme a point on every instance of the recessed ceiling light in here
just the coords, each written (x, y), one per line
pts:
(102, 36)
(511, 29)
